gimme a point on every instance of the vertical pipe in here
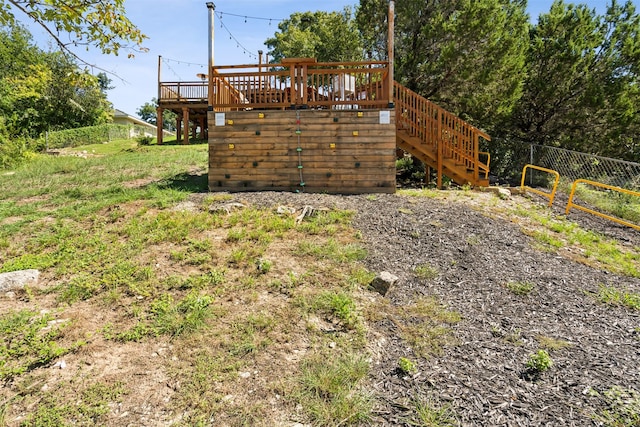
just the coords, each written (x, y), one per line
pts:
(392, 13)
(531, 163)
(212, 9)
(159, 76)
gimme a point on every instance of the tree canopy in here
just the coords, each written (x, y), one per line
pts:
(327, 36)
(582, 86)
(99, 23)
(42, 91)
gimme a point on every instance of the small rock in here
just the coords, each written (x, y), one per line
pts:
(244, 374)
(18, 279)
(383, 282)
(61, 364)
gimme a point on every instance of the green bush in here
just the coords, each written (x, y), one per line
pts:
(144, 140)
(13, 152)
(84, 136)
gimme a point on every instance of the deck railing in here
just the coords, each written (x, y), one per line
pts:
(183, 92)
(437, 129)
(301, 83)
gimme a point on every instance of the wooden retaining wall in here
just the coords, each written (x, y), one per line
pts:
(332, 151)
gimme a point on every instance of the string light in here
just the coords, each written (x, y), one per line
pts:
(251, 17)
(232, 37)
(167, 62)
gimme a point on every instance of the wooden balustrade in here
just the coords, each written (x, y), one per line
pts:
(183, 92)
(301, 83)
(440, 133)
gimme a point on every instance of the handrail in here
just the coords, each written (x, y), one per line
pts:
(570, 204)
(551, 195)
(440, 131)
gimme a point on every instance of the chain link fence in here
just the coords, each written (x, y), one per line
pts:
(572, 165)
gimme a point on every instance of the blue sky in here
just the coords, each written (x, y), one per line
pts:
(177, 31)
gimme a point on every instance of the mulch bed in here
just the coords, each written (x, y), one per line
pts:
(483, 378)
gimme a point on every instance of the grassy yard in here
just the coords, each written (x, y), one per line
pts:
(152, 309)
(223, 310)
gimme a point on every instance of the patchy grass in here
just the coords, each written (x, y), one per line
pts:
(202, 300)
(554, 233)
(623, 407)
(618, 298)
(425, 272)
(329, 388)
(521, 288)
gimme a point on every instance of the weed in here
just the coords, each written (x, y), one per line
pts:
(186, 316)
(339, 305)
(89, 409)
(407, 366)
(360, 276)
(425, 272)
(263, 265)
(539, 361)
(473, 240)
(615, 297)
(424, 325)
(552, 343)
(521, 288)
(328, 389)
(29, 340)
(428, 412)
(249, 335)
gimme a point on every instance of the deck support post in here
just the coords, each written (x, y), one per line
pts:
(203, 132)
(185, 120)
(159, 125)
(178, 128)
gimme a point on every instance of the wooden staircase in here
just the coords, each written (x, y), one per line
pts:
(439, 139)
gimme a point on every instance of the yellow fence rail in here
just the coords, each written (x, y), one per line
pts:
(551, 195)
(570, 204)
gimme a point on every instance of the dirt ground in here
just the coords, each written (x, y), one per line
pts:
(477, 251)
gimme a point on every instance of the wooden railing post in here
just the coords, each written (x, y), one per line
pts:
(476, 156)
(439, 141)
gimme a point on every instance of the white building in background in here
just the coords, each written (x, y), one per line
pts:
(138, 126)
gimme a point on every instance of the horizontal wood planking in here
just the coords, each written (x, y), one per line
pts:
(343, 151)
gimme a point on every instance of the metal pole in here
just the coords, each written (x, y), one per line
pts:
(531, 163)
(159, 76)
(390, 48)
(212, 10)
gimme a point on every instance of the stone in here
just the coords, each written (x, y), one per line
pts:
(16, 280)
(383, 282)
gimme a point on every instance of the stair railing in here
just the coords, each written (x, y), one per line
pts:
(437, 129)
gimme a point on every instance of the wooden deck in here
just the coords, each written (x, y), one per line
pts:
(334, 95)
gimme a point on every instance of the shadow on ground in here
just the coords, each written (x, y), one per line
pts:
(189, 182)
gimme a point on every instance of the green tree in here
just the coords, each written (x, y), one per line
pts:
(148, 113)
(99, 23)
(326, 36)
(582, 87)
(466, 55)
(42, 91)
